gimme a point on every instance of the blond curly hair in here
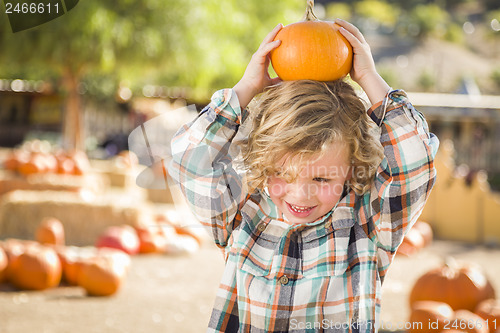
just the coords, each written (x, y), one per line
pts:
(298, 120)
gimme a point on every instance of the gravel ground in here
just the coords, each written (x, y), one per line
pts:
(176, 293)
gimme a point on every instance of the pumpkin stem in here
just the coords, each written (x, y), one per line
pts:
(309, 15)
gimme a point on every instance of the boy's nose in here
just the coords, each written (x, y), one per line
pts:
(298, 190)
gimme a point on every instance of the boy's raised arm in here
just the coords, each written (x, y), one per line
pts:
(406, 175)
(256, 76)
(203, 151)
(363, 71)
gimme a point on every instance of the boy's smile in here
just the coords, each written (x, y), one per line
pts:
(316, 189)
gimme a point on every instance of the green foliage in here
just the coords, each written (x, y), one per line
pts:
(338, 9)
(379, 11)
(223, 35)
(427, 80)
(389, 75)
(204, 45)
(431, 20)
(454, 33)
(495, 76)
(201, 44)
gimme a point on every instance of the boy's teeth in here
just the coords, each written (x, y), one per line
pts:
(300, 209)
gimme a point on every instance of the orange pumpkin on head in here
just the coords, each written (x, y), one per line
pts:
(312, 50)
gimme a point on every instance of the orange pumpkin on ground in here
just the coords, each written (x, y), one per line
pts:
(469, 322)
(490, 310)
(65, 165)
(50, 231)
(430, 316)
(412, 243)
(425, 230)
(462, 286)
(11, 162)
(123, 238)
(35, 164)
(3, 265)
(13, 249)
(312, 49)
(37, 268)
(50, 163)
(104, 275)
(151, 239)
(72, 258)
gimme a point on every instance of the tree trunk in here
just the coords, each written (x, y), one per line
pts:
(73, 136)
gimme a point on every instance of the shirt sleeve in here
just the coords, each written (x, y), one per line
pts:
(202, 165)
(404, 178)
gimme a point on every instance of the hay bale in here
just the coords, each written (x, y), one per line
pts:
(119, 177)
(11, 181)
(84, 215)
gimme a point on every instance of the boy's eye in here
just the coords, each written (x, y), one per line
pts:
(321, 180)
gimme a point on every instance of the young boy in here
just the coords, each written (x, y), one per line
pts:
(310, 226)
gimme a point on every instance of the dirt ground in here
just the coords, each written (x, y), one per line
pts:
(176, 293)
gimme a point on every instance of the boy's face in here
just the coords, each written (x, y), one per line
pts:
(317, 188)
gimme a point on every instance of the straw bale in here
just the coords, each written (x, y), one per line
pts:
(11, 181)
(84, 215)
(119, 177)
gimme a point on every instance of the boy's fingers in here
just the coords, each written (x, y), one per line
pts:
(270, 46)
(270, 36)
(355, 42)
(264, 50)
(352, 29)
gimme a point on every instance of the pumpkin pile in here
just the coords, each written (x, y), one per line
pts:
(158, 236)
(100, 269)
(311, 50)
(418, 237)
(36, 158)
(455, 297)
(46, 262)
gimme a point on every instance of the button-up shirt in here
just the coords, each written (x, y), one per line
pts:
(325, 275)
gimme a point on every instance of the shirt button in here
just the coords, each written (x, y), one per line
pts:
(283, 280)
(261, 226)
(328, 224)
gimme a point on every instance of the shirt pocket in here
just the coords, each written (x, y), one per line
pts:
(327, 255)
(256, 249)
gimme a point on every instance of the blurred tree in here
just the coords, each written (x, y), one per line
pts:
(454, 33)
(389, 75)
(222, 37)
(427, 80)
(201, 44)
(379, 12)
(495, 77)
(341, 10)
(95, 36)
(429, 20)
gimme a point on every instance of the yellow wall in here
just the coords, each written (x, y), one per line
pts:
(457, 211)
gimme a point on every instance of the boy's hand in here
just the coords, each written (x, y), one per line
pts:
(363, 69)
(256, 76)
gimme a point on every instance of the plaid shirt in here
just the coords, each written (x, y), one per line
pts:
(323, 276)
